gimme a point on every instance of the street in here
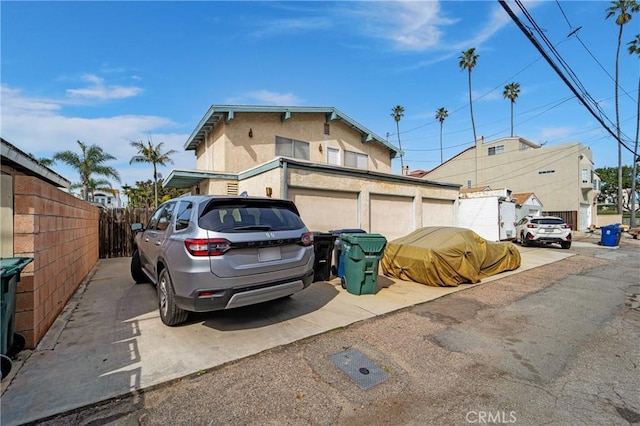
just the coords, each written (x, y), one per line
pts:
(557, 344)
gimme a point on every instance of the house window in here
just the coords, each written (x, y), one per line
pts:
(333, 156)
(326, 128)
(496, 150)
(292, 148)
(356, 159)
(468, 184)
(585, 175)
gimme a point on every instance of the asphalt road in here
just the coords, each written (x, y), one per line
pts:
(558, 344)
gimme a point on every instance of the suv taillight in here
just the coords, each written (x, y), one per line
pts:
(565, 226)
(532, 225)
(307, 239)
(207, 247)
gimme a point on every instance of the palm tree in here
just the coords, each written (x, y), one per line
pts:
(623, 9)
(89, 163)
(397, 113)
(441, 114)
(148, 153)
(511, 92)
(634, 47)
(468, 61)
(94, 185)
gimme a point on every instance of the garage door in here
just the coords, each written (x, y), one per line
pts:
(323, 210)
(437, 212)
(391, 216)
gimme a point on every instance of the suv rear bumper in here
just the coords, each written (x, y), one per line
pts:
(243, 296)
(544, 239)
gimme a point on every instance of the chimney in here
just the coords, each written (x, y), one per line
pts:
(405, 171)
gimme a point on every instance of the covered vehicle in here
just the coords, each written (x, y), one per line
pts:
(447, 256)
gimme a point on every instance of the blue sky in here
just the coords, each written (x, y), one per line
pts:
(107, 73)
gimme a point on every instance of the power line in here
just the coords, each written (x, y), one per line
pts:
(537, 45)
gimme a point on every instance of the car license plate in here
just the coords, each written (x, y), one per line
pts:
(549, 230)
(268, 254)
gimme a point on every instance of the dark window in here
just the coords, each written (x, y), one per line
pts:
(326, 128)
(292, 148)
(496, 150)
(234, 216)
(548, 221)
(356, 159)
(161, 217)
(184, 214)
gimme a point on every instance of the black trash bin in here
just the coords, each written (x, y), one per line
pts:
(10, 342)
(323, 248)
(336, 269)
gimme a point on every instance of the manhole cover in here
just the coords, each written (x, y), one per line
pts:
(359, 368)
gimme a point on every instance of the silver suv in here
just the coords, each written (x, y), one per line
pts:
(207, 253)
(543, 229)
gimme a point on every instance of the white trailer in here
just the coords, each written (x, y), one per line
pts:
(491, 217)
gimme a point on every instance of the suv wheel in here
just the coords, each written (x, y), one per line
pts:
(565, 244)
(523, 240)
(136, 268)
(170, 313)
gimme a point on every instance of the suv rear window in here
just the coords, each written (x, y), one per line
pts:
(548, 221)
(249, 215)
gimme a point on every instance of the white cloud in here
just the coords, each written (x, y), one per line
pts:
(38, 126)
(98, 90)
(410, 25)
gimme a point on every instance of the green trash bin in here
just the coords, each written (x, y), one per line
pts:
(362, 253)
(10, 342)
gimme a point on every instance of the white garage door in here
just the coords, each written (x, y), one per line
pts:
(437, 212)
(323, 210)
(391, 216)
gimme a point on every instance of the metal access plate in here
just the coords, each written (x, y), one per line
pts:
(359, 368)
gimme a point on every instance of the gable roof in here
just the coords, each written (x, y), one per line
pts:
(522, 197)
(216, 113)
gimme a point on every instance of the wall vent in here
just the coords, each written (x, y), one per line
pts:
(232, 189)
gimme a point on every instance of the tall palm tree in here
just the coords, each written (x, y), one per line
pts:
(511, 92)
(468, 61)
(90, 162)
(397, 113)
(634, 48)
(148, 153)
(623, 9)
(441, 114)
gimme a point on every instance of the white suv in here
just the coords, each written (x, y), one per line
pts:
(543, 229)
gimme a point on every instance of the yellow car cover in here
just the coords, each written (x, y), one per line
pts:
(447, 256)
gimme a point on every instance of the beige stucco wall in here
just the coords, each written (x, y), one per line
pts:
(523, 171)
(229, 148)
(392, 220)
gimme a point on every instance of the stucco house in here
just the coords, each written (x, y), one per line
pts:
(336, 170)
(561, 175)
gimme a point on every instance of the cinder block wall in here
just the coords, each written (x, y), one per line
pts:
(60, 232)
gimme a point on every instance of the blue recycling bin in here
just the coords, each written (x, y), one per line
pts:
(338, 261)
(610, 235)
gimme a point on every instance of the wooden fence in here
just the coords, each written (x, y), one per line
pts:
(571, 217)
(115, 233)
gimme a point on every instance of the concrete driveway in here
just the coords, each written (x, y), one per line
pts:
(109, 340)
